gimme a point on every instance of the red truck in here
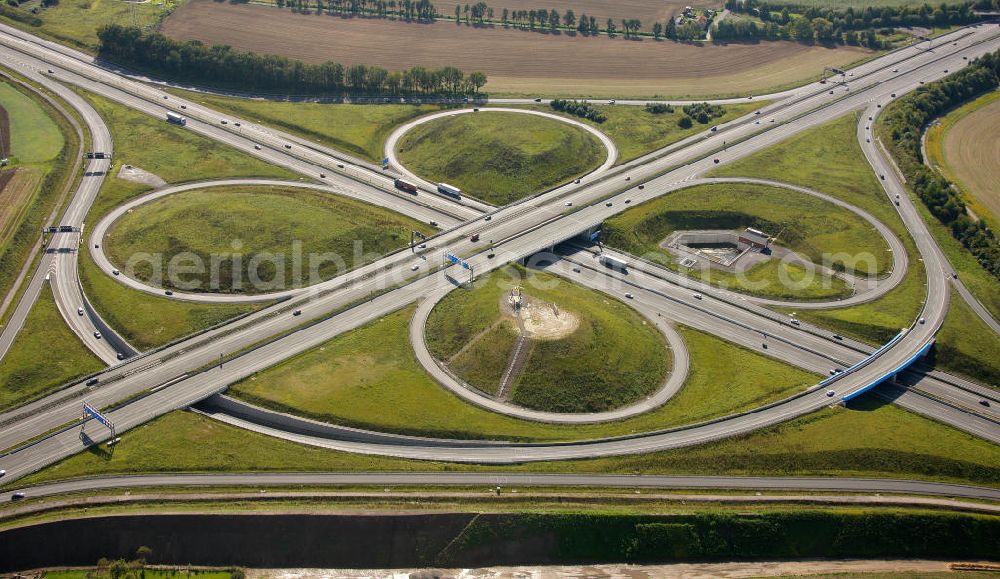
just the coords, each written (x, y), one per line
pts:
(404, 186)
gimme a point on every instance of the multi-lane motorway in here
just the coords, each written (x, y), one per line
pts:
(183, 374)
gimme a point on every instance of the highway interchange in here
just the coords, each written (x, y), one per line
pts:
(185, 373)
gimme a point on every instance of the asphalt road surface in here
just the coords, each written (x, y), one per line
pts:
(521, 229)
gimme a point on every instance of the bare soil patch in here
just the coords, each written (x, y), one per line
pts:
(516, 61)
(972, 152)
(137, 175)
(546, 321)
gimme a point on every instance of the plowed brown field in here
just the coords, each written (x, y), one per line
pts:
(517, 62)
(972, 152)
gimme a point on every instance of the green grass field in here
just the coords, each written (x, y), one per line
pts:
(359, 130)
(804, 224)
(637, 132)
(148, 321)
(146, 574)
(179, 155)
(43, 144)
(305, 228)
(34, 136)
(354, 377)
(869, 440)
(45, 354)
(829, 159)
(968, 346)
(587, 370)
(75, 22)
(499, 157)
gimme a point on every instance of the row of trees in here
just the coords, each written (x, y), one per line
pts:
(580, 109)
(782, 21)
(905, 121)
(217, 64)
(420, 10)
(799, 28)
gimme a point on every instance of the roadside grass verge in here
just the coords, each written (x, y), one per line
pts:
(45, 354)
(637, 132)
(871, 439)
(967, 346)
(297, 224)
(352, 379)
(173, 153)
(586, 370)
(355, 129)
(809, 226)
(826, 158)
(147, 321)
(499, 157)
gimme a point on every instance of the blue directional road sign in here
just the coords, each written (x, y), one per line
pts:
(93, 413)
(454, 259)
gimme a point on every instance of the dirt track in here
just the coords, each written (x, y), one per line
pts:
(515, 60)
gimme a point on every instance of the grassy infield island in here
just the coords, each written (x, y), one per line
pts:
(829, 159)
(499, 157)
(179, 155)
(809, 226)
(354, 377)
(613, 356)
(297, 225)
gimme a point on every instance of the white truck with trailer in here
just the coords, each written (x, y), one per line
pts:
(613, 262)
(449, 190)
(176, 119)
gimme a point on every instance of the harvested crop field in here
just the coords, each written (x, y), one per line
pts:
(972, 153)
(516, 61)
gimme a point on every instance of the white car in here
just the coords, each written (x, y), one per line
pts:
(97, 335)
(2, 472)
(79, 310)
(697, 296)
(414, 267)
(830, 393)
(629, 296)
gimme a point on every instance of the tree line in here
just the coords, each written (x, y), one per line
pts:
(420, 10)
(580, 109)
(905, 121)
(223, 65)
(827, 24)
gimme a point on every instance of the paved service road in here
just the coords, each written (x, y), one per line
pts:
(506, 480)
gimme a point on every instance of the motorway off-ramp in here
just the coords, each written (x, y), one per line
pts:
(657, 174)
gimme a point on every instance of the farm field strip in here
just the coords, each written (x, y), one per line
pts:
(515, 61)
(971, 152)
